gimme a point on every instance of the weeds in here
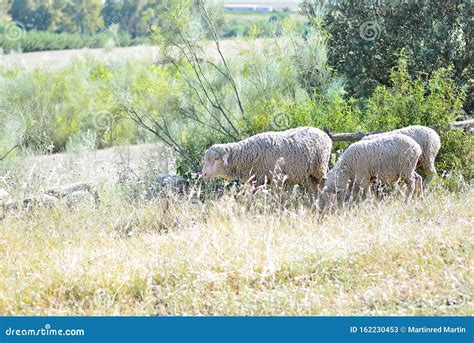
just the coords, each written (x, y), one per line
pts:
(179, 256)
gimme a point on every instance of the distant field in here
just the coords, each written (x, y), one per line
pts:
(276, 4)
(61, 58)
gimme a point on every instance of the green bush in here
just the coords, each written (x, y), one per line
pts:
(414, 101)
(455, 161)
(61, 107)
(29, 41)
(366, 36)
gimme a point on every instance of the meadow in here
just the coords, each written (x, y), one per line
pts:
(121, 117)
(181, 256)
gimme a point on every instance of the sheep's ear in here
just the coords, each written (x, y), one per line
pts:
(225, 158)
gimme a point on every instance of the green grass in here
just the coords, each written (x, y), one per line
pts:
(186, 257)
(29, 41)
(259, 24)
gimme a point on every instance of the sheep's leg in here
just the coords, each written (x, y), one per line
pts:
(411, 183)
(428, 168)
(361, 185)
(349, 191)
(419, 186)
(429, 177)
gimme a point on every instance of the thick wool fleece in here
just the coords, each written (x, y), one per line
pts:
(300, 154)
(387, 158)
(429, 142)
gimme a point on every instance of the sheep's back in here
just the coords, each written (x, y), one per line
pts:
(297, 152)
(386, 157)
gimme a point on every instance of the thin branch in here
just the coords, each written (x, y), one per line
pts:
(201, 100)
(192, 115)
(213, 31)
(10, 151)
(163, 134)
(200, 74)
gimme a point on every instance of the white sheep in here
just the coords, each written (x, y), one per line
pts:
(387, 158)
(429, 142)
(301, 155)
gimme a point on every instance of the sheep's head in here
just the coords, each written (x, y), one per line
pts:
(332, 192)
(216, 159)
(327, 200)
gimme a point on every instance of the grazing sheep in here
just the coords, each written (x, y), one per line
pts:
(387, 158)
(301, 154)
(429, 142)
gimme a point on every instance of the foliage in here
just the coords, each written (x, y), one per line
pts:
(414, 101)
(58, 16)
(32, 14)
(133, 17)
(42, 40)
(65, 104)
(81, 16)
(455, 160)
(366, 38)
(260, 25)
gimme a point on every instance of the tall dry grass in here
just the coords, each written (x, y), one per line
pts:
(181, 256)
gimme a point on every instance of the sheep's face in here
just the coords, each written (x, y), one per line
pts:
(214, 165)
(327, 200)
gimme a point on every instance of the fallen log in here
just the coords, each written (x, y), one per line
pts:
(465, 125)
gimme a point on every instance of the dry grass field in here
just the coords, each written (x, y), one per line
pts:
(183, 256)
(219, 252)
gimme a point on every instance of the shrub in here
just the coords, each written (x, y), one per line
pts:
(60, 107)
(414, 101)
(455, 161)
(366, 36)
(29, 41)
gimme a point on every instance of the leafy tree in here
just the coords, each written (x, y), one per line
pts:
(4, 9)
(124, 12)
(82, 16)
(133, 16)
(366, 38)
(31, 14)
